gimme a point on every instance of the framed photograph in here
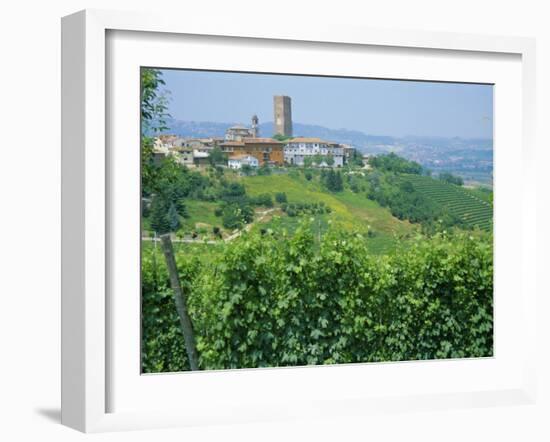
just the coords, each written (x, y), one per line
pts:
(286, 222)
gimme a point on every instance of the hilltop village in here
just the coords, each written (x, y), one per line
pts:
(244, 147)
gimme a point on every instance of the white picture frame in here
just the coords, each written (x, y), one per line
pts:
(86, 207)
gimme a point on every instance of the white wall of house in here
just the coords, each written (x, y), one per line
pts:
(296, 152)
(237, 163)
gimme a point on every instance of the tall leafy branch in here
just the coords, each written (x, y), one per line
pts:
(154, 113)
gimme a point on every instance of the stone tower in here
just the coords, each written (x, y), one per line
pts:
(255, 126)
(282, 115)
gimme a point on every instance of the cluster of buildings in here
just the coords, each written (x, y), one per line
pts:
(244, 146)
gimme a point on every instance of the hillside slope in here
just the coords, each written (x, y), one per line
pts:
(352, 211)
(472, 210)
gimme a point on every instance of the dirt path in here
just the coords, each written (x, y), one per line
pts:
(247, 228)
(185, 240)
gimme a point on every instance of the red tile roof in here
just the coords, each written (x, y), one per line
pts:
(250, 140)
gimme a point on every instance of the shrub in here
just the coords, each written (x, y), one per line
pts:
(235, 215)
(274, 300)
(280, 197)
(451, 179)
(394, 163)
(264, 170)
(264, 199)
(231, 219)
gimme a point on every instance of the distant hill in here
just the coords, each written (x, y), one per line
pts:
(203, 129)
(197, 129)
(355, 137)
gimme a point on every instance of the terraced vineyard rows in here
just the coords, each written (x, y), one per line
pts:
(459, 201)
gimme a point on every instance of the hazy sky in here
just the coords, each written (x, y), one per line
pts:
(377, 107)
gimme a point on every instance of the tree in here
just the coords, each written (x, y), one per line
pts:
(318, 159)
(246, 213)
(329, 159)
(233, 192)
(159, 216)
(280, 197)
(236, 214)
(338, 183)
(281, 137)
(264, 199)
(354, 186)
(329, 180)
(264, 170)
(217, 156)
(231, 218)
(173, 218)
(154, 101)
(356, 159)
(451, 179)
(333, 180)
(394, 163)
(154, 106)
(246, 169)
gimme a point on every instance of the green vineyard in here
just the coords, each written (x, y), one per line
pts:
(459, 201)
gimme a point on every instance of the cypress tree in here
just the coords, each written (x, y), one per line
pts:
(173, 218)
(331, 180)
(338, 182)
(159, 216)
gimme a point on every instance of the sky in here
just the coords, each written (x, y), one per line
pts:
(376, 107)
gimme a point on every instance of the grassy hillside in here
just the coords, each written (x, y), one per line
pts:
(466, 204)
(200, 212)
(350, 210)
(353, 211)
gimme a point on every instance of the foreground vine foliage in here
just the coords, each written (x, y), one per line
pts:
(274, 300)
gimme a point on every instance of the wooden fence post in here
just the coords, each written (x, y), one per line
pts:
(181, 302)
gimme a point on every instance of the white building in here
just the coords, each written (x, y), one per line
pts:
(166, 141)
(349, 152)
(200, 144)
(200, 158)
(237, 162)
(184, 155)
(300, 148)
(237, 133)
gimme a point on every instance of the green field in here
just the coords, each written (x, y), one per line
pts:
(205, 252)
(200, 212)
(350, 210)
(472, 207)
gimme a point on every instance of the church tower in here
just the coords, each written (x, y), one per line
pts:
(255, 126)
